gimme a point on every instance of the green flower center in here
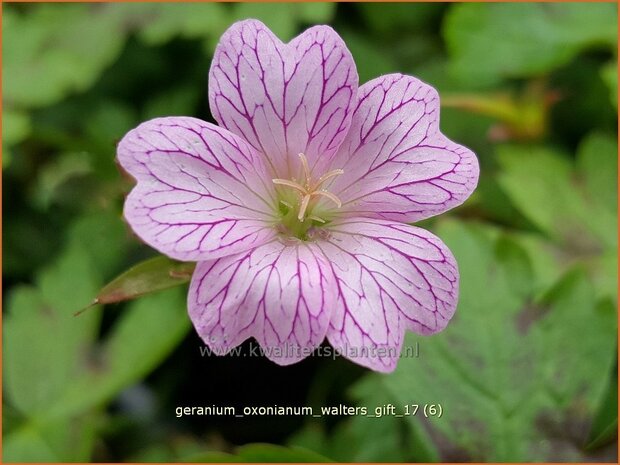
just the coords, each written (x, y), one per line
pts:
(299, 203)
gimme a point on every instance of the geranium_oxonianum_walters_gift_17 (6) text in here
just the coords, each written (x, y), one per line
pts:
(297, 206)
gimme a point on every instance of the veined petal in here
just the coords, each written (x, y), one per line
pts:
(284, 99)
(390, 277)
(397, 165)
(281, 295)
(202, 192)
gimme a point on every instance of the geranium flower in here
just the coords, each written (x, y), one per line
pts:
(296, 207)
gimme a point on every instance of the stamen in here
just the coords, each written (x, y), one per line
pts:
(303, 207)
(326, 176)
(304, 163)
(293, 184)
(330, 196)
(308, 190)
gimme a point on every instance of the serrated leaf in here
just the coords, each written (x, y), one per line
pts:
(549, 199)
(513, 374)
(155, 274)
(553, 198)
(574, 204)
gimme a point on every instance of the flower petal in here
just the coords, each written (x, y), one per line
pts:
(281, 295)
(390, 277)
(397, 165)
(284, 99)
(202, 192)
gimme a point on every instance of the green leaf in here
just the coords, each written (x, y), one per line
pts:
(597, 163)
(548, 199)
(514, 256)
(51, 51)
(512, 374)
(553, 199)
(146, 333)
(574, 204)
(67, 440)
(604, 272)
(386, 438)
(149, 276)
(46, 348)
(55, 374)
(42, 339)
(27, 445)
(188, 20)
(492, 41)
(15, 126)
(605, 426)
(609, 73)
(543, 258)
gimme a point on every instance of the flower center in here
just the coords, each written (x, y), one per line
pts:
(308, 192)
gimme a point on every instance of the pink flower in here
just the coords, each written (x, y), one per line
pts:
(296, 206)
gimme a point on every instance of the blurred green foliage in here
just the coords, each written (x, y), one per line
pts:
(518, 366)
(525, 370)
(506, 41)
